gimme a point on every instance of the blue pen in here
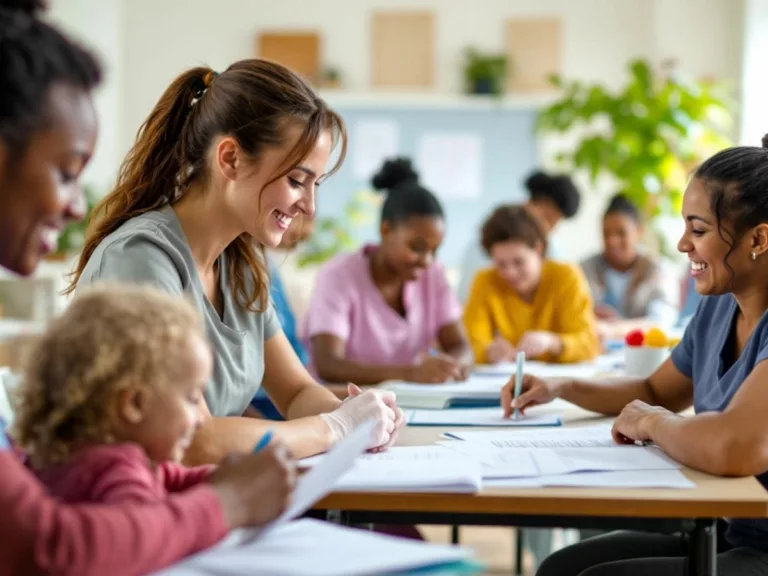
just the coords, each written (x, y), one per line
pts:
(264, 442)
(434, 353)
(519, 381)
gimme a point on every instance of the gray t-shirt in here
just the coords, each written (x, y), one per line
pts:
(152, 249)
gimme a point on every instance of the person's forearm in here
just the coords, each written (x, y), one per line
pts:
(221, 436)
(608, 396)
(311, 401)
(343, 370)
(713, 442)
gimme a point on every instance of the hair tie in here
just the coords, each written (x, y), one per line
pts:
(208, 80)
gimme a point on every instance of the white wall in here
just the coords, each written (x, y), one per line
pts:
(754, 115)
(147, 42)
(98, 25)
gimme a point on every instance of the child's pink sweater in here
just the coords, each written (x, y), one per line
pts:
(119, 473)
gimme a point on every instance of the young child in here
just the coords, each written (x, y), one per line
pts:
(111, 398)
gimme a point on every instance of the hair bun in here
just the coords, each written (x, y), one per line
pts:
(764, 141)
(538, 181)
(30, 7)
(394, 173)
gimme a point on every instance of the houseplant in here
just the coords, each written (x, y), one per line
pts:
(72, 238)
(647, 136)
(333, 235)
(484, 73)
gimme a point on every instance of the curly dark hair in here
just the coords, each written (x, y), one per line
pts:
(560, 190)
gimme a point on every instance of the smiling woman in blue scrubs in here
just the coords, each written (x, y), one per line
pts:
(719, 368)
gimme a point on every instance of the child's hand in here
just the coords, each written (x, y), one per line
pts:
(255, 489)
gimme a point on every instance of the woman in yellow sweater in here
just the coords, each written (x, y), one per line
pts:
(526, 302)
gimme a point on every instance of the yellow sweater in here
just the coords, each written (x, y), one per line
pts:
(562, 305)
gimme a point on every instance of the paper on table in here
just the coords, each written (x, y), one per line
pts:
(512, 463)
(319, 481)
(413, 476)
(451, 163)
(579, 437)
(621, 479)
(375, 140)
(552, 461)
(517, 462)
(311, 547)
(494, 466)
(476, 417)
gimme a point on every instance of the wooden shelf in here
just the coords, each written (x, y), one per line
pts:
(435, 100)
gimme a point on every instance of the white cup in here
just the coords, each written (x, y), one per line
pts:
(642, 361)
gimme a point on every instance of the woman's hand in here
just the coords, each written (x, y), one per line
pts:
(540, 343)
(637, 421)
(534, 391)
(435, 370)
(500, 350)
(255, 489)
(377, 405)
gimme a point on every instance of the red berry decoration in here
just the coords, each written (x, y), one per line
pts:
(634, 338)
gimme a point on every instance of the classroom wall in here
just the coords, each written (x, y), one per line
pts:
(145, 43)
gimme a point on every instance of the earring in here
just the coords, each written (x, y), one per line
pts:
(754, 256)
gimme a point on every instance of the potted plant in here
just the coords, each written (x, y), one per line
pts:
(647, 136)
(72, 238)
(335, 235)
(332, 78)
(485, 73)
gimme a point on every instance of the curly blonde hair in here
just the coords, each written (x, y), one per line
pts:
(109, 337)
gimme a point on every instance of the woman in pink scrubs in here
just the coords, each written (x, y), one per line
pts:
(387, 312)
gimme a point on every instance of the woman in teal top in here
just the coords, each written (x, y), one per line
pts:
(719, 368)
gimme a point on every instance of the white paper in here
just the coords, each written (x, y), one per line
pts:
(413, 476)
(374, 140)
(569, 437)
(553, 461)
(451, 164)
(601, 365)
(513, 463)
(476, 417)
(622, 479)
(315, 548)
(320, 481)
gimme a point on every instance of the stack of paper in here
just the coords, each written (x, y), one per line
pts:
(585, 456)
(315, 548)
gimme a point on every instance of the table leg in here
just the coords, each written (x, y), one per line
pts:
(455, 534)
(519, 544)
(702, 554)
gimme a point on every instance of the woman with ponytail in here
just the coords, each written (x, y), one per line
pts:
(394, 316)
(222, 166)
(47, 135)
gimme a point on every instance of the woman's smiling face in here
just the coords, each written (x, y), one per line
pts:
(719, 263)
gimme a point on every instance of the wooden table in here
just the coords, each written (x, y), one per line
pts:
(694, 511)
